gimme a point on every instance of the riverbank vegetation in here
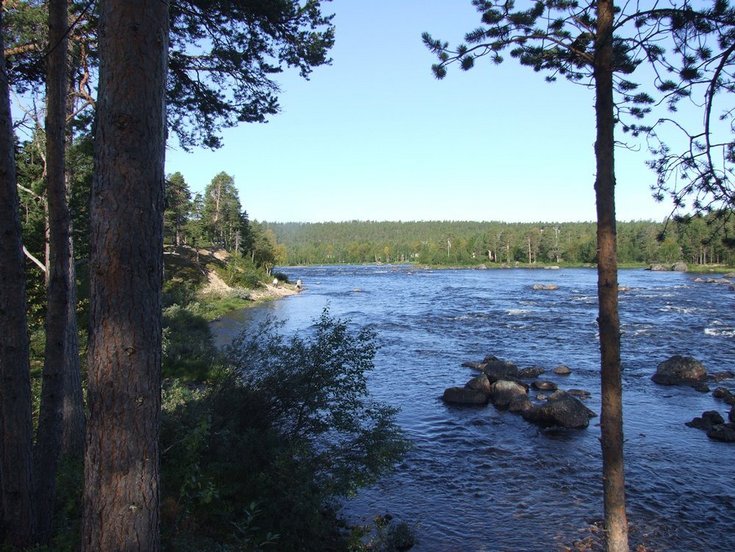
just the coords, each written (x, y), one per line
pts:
(700, 241)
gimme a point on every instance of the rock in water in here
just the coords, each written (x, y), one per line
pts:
(680, 370)
(464, 396)
(562, 370)
(561, 410)
(530, 372)
(480, 383)
(504, 392)
(709, 419)
(723, 432)
(497, 369)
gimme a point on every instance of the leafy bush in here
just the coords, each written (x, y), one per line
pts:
(261, 454)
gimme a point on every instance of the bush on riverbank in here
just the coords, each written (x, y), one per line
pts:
(260, 452)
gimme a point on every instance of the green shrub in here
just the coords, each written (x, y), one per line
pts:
(262, 454)
(241, 272)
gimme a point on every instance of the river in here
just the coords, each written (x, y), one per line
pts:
(482, 480)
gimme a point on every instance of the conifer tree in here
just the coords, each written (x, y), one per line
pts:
(598, 45)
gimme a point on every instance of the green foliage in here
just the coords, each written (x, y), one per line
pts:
(224, 55)
(241, 272)
(497, 243)
(267, 446)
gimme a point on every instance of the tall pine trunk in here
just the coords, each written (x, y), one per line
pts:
(121, 494)
(72, 439)
(15, 392)
(59, 295)
(611, 418)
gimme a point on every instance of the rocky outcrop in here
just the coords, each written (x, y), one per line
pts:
(680, 370)
(560, 410)
(500, 383)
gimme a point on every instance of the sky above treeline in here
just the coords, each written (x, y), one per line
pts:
(374, 136)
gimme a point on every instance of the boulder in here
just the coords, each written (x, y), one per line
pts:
(503, 392)
(680, 370)
(479, 383)
(530, 372)
(544, 385)
(679, 266)
(731, 415)
(562, 370)
(709, 419)
(723, 432)
(658, 268)
(560, 410)
(464, 396)
(520, 403)
(497, 369)
(721, 376)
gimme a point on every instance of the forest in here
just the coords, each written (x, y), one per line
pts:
(122, 427)
(698, 241)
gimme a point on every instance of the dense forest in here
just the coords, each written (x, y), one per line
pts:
(700, 240)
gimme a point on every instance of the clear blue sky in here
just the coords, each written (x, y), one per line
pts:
(375, 137)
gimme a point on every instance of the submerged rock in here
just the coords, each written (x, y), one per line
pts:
(579, 393)
(680, 370)
(560, 410)
(464, 396)
(544, 287)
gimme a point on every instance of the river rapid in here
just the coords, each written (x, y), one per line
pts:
(479, 479)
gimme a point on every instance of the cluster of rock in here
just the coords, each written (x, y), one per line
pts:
(683, 370)
(679, 266)
(726, 280)
(501, 383)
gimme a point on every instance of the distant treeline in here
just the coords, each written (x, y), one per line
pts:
(698, 241)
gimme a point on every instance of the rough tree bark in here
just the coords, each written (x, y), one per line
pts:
(121, 494)
(15, 391)
(58, 292)
(611, 418)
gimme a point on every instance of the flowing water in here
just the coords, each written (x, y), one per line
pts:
(482, 480)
